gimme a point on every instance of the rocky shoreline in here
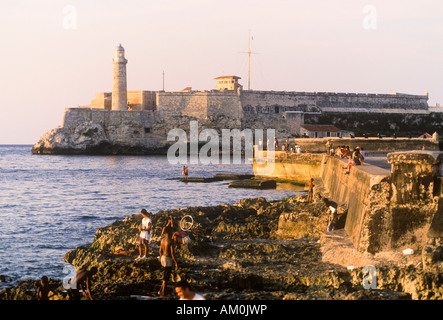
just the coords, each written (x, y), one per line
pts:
(240, 251)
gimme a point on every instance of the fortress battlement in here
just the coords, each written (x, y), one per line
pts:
(148, 114)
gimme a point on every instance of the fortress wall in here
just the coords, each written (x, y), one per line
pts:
(266, 101)
(103, 100)
(225, 104)
(74, 117)
(142, 100)
(278, 122)
(192, 104)
(200, 104)
(402, 124)
(195, 105)
(373, 101)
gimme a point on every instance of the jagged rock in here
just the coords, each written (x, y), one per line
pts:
(91, 138)
(87, 136)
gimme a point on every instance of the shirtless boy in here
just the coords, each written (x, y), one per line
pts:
(167, 257)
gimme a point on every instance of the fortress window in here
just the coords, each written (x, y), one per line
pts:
(147, 130)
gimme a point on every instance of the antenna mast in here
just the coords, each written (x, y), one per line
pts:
(249, 60)
(249, 52)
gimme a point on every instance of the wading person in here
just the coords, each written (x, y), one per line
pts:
(167, 258)
(185, 173)
(145, 234)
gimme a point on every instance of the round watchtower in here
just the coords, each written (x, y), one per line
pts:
(119, 88)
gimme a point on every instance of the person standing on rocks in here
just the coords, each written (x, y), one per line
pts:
(145, 234)
(167, 257)
(44, 289)
(310, 190)
(332, 211)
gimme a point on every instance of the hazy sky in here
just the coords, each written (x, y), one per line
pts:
(58, 53)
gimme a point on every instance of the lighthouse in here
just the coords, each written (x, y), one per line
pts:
(119, 88)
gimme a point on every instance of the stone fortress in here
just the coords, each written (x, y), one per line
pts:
(125, 121)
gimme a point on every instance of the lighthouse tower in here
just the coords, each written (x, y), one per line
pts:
(119, 88)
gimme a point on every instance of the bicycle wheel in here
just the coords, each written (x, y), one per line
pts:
(186, 223)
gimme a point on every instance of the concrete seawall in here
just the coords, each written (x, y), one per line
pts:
(370, 144)
(297, 167)
(387, 210)
(352, 189)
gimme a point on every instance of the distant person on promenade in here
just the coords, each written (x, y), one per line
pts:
(82, 278)
(167, 257)
(145, 234)
(332, 212)
(185, 173)
(363, 155)
(183, 290)
(310, 190)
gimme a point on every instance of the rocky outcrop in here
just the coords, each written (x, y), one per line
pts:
(92, 138)
(237, 252)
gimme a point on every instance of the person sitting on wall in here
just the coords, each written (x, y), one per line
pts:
(348, 165)
(356, 156)
(346, 152)
(362, 155)
(338, 152)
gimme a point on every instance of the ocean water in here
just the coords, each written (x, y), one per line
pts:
(51, 204)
